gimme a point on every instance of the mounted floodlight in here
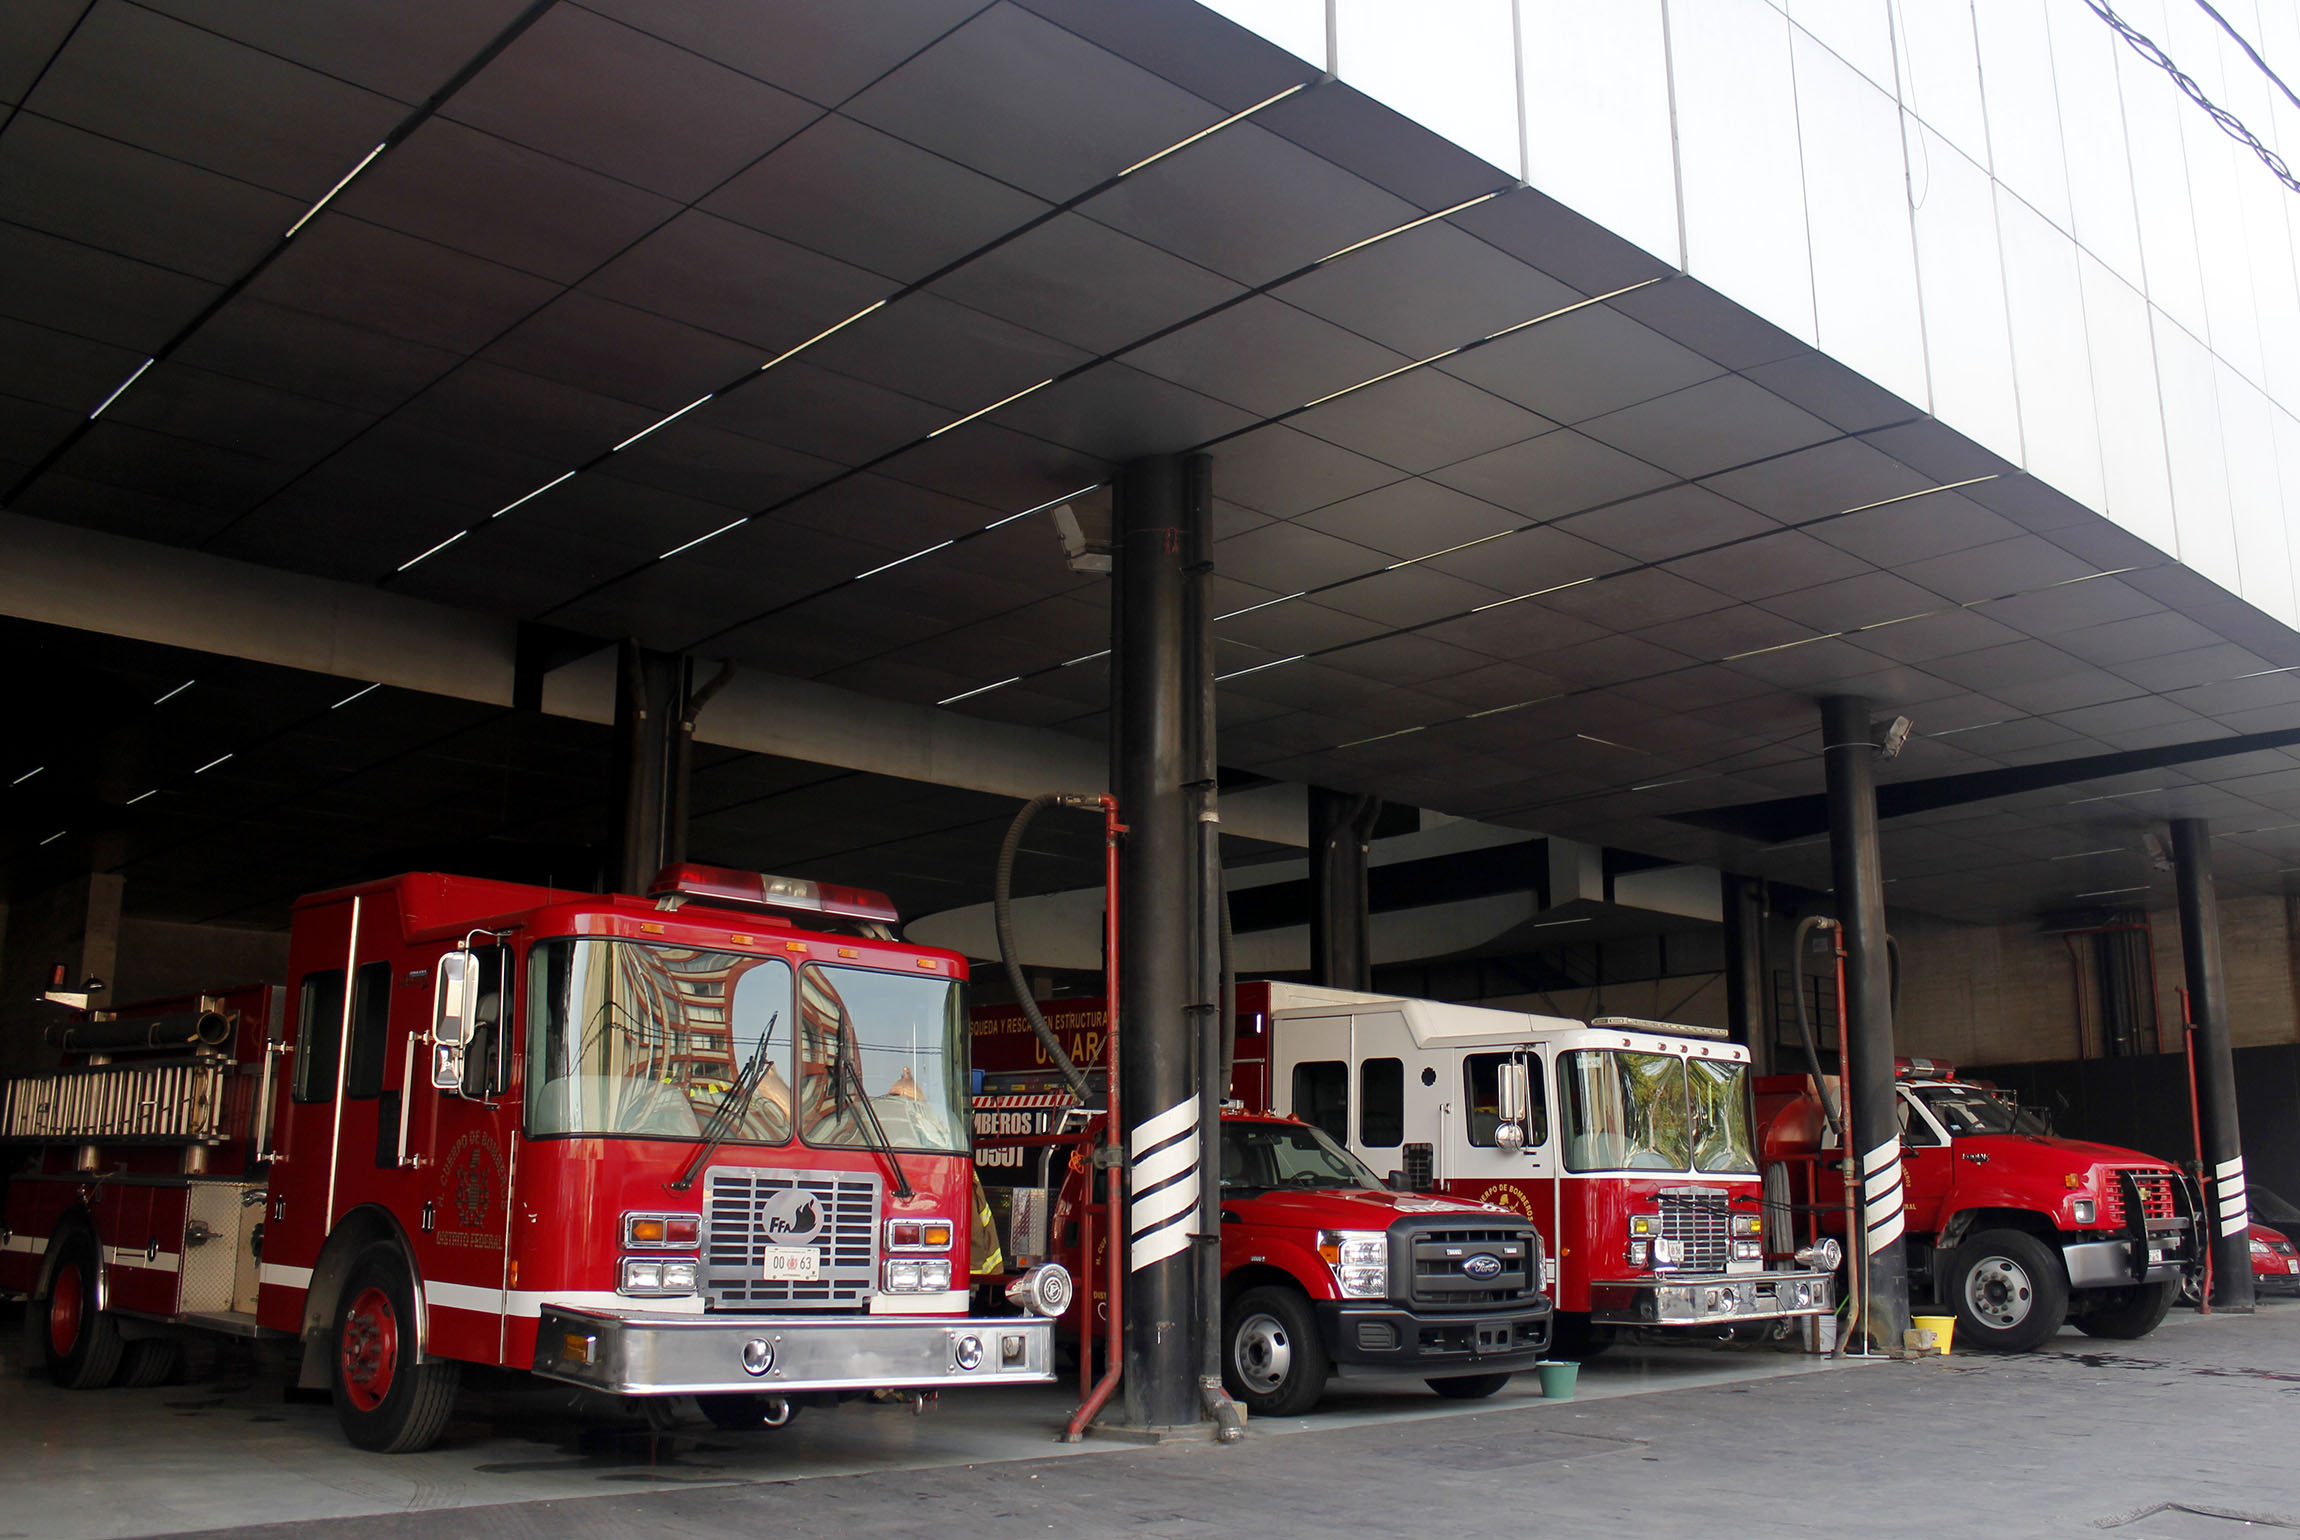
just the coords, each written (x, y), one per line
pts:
(1891, 736)
(1665, 1028)
(2159, 850)
(757, 890)
(1079, 548)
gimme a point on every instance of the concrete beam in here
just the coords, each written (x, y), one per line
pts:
(91, 581)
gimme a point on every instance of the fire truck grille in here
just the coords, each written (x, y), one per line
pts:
(749, 1211)
(1439, 1277)
(1701, 1233)
(2156, 1200)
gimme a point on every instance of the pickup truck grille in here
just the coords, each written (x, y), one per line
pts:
(1435, 1257)
(749, 1209)
(2156, 1199)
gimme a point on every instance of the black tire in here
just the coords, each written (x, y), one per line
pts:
(741, 1414)
(2132, 1312)
(149, 1361)
(1272, 1358)
(385, 1400)
(79, 1343)
(1573, 1335)
(1469, 1387)
(2009, 1291)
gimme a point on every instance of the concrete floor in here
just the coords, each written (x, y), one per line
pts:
(2183, 1436)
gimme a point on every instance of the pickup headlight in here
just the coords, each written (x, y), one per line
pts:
(1360, 1260)
(2083, 1211)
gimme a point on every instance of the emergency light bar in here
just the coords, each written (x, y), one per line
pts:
(1665, 1028)
(1924, 1069)
(757, 890)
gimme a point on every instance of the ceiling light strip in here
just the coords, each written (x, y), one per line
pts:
(341, 183)
(140, 796)
(788, 354)
(27, 775)
(1411, 224)
(1240, 673)
(902, 560)
(994, 406)
(172, 694)
(211, 764)
(982, 689)
(356, 694)
(664, 423)
(59, 834)
(451, 539)
(121, 389)
(1180, 145)
(699, 539)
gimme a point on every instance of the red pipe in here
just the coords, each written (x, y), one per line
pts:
(1856, 1232)
(2204, 1236)
(1116, 1192)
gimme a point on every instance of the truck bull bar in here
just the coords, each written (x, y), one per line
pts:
(673, 1355)
(1710, 1299)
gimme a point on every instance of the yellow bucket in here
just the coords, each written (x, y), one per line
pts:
(1943, 1327)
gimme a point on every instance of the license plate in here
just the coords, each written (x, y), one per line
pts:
(792, 1264)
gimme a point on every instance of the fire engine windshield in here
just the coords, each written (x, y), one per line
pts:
(897, 1039)
(1630, 1111)
(647, 1041)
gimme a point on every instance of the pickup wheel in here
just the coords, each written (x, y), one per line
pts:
(1469, 1387)
(1274, 1361)
(2129, 1312)
(2009, 1292)
(79, 1343)
(386, 1399)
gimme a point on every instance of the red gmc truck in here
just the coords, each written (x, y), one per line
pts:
(1324, 1269)
(2015, 1230)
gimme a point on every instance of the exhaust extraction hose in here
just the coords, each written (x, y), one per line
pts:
(1829, 1111)
(1002, 907)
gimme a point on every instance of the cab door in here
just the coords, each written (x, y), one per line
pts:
(1928, 1163)
(1312, 1072)
(456, 1172)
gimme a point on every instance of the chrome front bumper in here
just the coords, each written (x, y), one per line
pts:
(1710, 1300)
(2108, 1264)
(671, 1355)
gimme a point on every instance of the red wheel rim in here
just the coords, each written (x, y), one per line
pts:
(369, 1352)
(64, 1310)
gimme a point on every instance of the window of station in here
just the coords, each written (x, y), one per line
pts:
(1382, 1103)
(319, 1033)
(1322, 1097)
(1481, 1087)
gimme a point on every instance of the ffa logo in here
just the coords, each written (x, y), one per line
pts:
(791, 1218)
(1509, 1196)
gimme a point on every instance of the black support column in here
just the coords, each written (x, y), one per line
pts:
(1746, 972)
(642, 806)
(1341, 923)
(1850, 754)
(1159, 901)
(2227, 1212)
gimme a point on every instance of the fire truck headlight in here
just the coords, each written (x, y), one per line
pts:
(1748, 1224)
(1645, 1224)
(675, 1231)
(1666, 1252)
(1360, 1261)
(1748, 1251)
(926, 1275)
(1640, 1253)
(919, 1234)
(902, 1277)
(2083, 1211)
(656, 1276)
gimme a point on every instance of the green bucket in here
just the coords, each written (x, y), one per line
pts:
(1557, 1379)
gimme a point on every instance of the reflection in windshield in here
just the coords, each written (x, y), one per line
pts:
(1969, 1109)
(1630, 1111)
(890, 1037)
(1269, 1155)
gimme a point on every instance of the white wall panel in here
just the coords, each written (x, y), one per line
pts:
(2131, 415)
(1857, 214)
(2198, 457)
(2092, 135)
(1298, 26)
(1860, 32)
(1961, 276)
(1450, 67)
(2152, 116)
(2256, 496)
(2023, 104)
(1743, 180)
(1597, 117)
(2060, 426)
(1941, 72)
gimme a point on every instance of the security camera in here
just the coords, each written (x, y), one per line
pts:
(1891, 737)
(1082, 552)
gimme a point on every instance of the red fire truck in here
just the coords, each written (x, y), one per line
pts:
(2015, 1230)
(1323, 1268)
(1629, 1144)
(707, 1142)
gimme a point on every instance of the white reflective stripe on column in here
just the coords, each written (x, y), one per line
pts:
(1881, 1188)
(2229, 1168)
(1163, 1184)
(1886, 1154)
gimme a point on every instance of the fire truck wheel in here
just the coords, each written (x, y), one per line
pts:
(1469, 1387)
(740, 1414)
(81, 1344)
(2010, 1292)
(1275, 1363)
(385, 1399)
(149, 1361)
(2129, 1313)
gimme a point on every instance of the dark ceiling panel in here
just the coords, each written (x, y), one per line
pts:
(75, 288)
(208, 481)
(1265, 356)
(402, 48)
(985, 94)
(1186, 43)
(58, 369)
(1002, 471)
(396, 284)
(1593, 361)
(719, 467)
(1395, 294)
(1409, 596)
(598, 93)
(1348, 128)
(928, 347)
(560, 425)
(337, 523)
(30, 33)
(1420, 421)
(116, 197)
(1117, 413)
(68, 498)
(733, 280)
(1705, 428)
(29, 429)
(312, 355)
(287, 429)
(486, 196)
(622, 354)
(1086, 283)
(148, 80)
(641, 521)
(1552, 475)
(1662, 524)
(819, 412)
(823, 50)
(867, 198)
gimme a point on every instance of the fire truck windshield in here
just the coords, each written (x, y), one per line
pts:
(1630, 1111)
(647, 1041)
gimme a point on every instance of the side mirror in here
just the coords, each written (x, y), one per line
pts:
(455, 1000)
(447, 1067)
(1514, 1095)
(1509, 1138)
